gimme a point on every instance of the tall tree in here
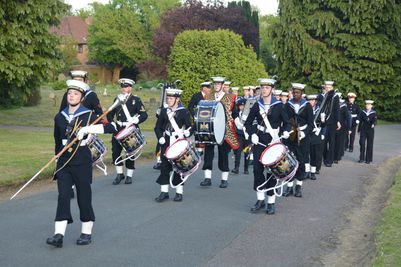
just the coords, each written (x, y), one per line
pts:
(266, 54)
(28, 52)
(198, 55)
(355, 43)
(116, 37)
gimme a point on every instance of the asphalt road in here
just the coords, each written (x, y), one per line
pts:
(211, 227)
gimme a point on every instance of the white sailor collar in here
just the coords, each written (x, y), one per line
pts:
(368, 113)
(273, 102)
(301, 104)
(218, 98)
(88, 92)
(179, 107)
(81, 110)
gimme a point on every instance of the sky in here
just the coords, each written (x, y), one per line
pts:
(266, 7)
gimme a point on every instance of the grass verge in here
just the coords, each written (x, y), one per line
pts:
(388, 231)
(24, 152)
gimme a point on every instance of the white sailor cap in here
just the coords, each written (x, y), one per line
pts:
(277, 92)
(77, 85)
(173, 92)
(227, 83)
(339, 94)
(299, 86)
(234, 88)
(266, 81)
(369, 101)
(246, 88)
(78, 73)
(342, 100)
(126, 81)
(328, 82)
(218, 79)
(206, 84)
(303, 95)
(284, 93)
(311, 97)
(257, 87)
(351, 94)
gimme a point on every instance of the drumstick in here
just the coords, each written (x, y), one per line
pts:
(115, 104)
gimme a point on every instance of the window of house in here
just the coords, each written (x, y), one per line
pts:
(80, 48)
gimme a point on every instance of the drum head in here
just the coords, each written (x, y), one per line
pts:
(219, 123)
(176, 149)
(272, 154)
(125, 132)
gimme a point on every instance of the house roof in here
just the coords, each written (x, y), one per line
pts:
(74, 27)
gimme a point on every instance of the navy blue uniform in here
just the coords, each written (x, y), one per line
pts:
(367, 128)
(330, 126)
(354, 110)
(342, 133)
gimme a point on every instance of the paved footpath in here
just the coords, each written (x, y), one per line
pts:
(211, 227)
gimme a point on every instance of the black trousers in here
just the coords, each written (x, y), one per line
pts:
(329, 146)
(258, 172)
(166, 168)
(223, 151)
(366, 137)
(81, 177)
(316, 155)
(301, 152)
(116, 152)
(242, 144)
(350, 139)
(339, 144)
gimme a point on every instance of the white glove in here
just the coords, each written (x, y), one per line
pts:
(317, 131)
(246, 135)
(255, 139)
(323, 117)
(134, 120)
(286, 134)
(162, 140)
(357, 121)
(322, 137)
(187, 133)
(238, 123)
(92, 129)
(301, 135)
(373, 126)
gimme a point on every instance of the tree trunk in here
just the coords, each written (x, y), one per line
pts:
(116, 73)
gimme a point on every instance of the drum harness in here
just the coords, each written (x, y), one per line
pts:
(128, 116)
(177, 134)
(275, 138)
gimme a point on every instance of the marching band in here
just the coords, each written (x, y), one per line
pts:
(284, 135)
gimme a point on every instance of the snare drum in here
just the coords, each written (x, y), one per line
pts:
(131, 139)
(210, 122)
(281, 162)
(97, 148)
(184, 158)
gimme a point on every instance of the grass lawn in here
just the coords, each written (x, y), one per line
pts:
(24, 152)
(388, 232)
(43, 114)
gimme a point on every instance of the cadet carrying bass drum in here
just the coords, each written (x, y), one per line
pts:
(210, 122)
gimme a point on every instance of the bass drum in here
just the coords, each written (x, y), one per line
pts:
(280, 161)
(210, 122)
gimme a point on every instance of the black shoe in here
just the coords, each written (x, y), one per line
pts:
(128, 180)
(118, 179)
(163, 196)
(56, 240)
(336, 161)
(317, 172)
(307, 175)
(368, 162)
(260, 204)
(361, 161)
(157, 166)
(312, 176)
(246, 172)
(235, 170)
(206, 182)
(223, 184)
(72, 195)
(178, 197)
(327, 165)
(271, 209)
(298, 191)
(84, 240)
(289, 191)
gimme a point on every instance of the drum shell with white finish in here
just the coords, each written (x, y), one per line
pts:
(183, 156)
(210, 122)
(131, 139)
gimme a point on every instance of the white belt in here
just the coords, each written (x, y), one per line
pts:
(83, 142)
(122, 124)
(354, 115)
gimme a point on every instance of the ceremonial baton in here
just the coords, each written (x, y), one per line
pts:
(115, 104)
